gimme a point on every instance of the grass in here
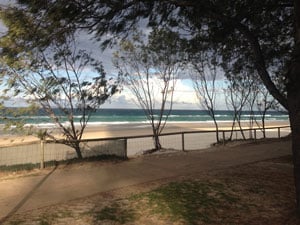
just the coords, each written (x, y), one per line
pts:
(14, 168)
(16, 222)
(189, 201)
(116, 213)
(26, 167)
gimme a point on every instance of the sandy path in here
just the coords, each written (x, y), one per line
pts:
(61, 185)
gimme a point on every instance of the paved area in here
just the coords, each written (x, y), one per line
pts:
(64, 184)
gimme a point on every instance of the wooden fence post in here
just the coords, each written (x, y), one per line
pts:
(42, 164)
(223, 134)
(278, 132)
(125, 148)
(182, 141)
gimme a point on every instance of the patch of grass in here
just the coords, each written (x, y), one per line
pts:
(16, 222)
(47, 218)
(14, 168)
(114, 213)
(44, 222)
(188, 201)
(26, 167)
(64, 214)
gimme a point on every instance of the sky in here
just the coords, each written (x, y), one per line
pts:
(184, 95)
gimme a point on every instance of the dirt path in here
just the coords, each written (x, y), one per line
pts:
(76, 181)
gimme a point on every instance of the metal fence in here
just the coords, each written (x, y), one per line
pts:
(40, 154)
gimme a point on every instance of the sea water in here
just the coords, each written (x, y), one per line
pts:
(124, 116)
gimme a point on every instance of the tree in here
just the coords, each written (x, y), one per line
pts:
(150, 72)
(237, 95)
(264, 103)
(55, 80)
(251, 104)
(265, 32)
(204, 71)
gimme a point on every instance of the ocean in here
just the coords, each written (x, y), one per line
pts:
(123, 116)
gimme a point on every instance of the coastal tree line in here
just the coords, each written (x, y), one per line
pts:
(251, 41)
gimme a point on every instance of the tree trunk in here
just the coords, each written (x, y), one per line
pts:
(157, 145)
(78, 150)
(263, 125)
(293, 91)
(241, 128)
(293, 95)
(157, 142)
(217, 130)
(294, 115)
(232, 126)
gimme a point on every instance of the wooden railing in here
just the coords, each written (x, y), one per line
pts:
(183, 133)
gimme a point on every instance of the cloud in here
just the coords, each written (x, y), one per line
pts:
(123, 100)
(184, 97)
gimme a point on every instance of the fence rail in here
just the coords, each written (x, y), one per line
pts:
(40, 154)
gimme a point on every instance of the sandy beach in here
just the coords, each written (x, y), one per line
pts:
(121, 130)
(131, 129)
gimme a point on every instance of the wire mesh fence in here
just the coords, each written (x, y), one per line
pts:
(40, 154)
(19, 154)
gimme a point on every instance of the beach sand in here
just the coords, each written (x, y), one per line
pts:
(132, 129)
(120, 130)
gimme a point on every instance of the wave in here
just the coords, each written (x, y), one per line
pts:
(130, 116)
(140, 123)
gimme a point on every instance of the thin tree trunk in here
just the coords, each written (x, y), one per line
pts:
(157, 142)
(240, 126)
(217, 130)
(232, 130)
(263, 125)
(157, 145)
(78, 150)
